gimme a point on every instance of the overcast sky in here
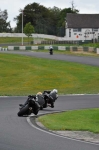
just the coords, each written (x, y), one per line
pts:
(13, 7)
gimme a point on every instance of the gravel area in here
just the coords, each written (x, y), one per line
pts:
(80, 135)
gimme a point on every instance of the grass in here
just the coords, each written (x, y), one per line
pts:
(14, 39)
(23, 75)
(77, 120)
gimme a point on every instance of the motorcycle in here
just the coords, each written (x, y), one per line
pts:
(51, 50)
(32, 105)
(49, 97)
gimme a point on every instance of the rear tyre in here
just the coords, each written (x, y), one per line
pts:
(45, 106)
(52, 105)
(23, 111)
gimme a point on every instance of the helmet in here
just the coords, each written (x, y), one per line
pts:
(39, 93)
(55, 90)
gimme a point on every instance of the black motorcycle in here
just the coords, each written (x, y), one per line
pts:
(49, 98)
(51, 50)
(32, 105)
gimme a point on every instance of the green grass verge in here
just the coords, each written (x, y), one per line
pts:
(77, 120)
(23, 75)
(14, 39)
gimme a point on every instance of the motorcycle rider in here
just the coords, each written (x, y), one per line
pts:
(47, 94)
(51, 49)
(35, 98)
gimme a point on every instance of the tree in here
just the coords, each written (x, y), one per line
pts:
(33, 13)
(4, 25)
(73, 8)
(45, 20)
(28, 30)
(54, 18)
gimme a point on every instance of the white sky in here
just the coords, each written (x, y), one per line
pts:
(13, 7)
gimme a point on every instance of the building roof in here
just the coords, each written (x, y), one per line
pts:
(82, 20)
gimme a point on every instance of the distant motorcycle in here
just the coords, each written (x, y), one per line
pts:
(51, 50)
(32, 105)
(49, 98)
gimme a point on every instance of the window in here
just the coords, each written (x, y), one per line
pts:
(69, 33)
(95, 29)
(77, 30)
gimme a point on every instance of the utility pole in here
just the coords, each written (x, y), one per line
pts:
(22, 27)
(72, 3)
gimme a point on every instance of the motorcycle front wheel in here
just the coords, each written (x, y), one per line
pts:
(23, 111)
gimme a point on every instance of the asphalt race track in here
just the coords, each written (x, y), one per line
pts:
(79, 59)
(16, 133)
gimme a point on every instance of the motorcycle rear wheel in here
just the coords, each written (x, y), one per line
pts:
(41, 108)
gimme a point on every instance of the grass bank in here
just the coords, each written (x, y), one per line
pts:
(23, 75)
(14, 39)
(78, 120)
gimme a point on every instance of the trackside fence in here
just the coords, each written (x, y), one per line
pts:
(64, 48)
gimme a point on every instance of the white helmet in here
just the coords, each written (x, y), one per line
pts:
(55, 90)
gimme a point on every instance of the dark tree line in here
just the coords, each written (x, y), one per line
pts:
(44, 20)
(4, 25)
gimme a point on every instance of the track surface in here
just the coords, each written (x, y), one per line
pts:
(79, 59)
(17, 134)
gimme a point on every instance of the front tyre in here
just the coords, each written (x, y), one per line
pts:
(23, 111)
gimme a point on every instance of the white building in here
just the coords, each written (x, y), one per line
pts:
(82, 27)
